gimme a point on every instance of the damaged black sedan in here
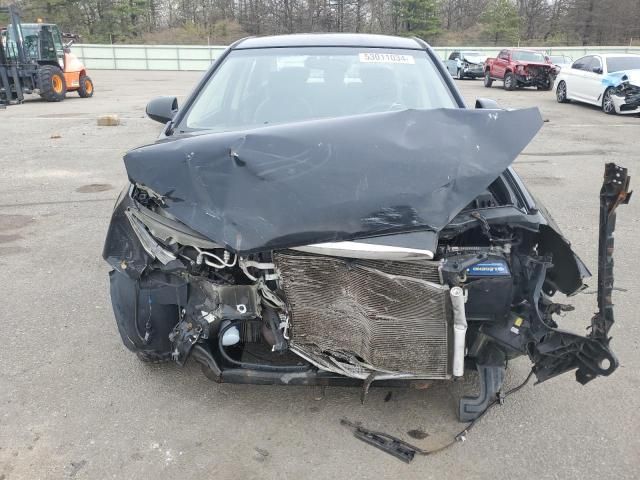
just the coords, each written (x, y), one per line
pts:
(325, 210)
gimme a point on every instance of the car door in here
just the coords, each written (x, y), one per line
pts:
(592, 79)
(575, 78)
(452, 63)
(500, 64)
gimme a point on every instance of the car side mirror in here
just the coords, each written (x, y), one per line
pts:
(487, 103)
(162, 109)
(597, 70)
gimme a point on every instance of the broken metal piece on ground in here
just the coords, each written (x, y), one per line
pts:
(387, 443)
(405, 451)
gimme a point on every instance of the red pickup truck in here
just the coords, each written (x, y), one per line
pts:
(520, 68)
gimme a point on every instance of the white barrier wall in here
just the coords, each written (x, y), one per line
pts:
(192, 57)
(146, 57)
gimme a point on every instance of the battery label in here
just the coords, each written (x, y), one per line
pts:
(489, 269)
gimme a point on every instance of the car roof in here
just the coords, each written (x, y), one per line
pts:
(613, 55)
(329, 40)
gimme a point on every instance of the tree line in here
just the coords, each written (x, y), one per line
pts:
(439, 22)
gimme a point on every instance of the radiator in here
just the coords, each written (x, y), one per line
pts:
(364, 316)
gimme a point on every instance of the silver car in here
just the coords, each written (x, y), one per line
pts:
(466, 64)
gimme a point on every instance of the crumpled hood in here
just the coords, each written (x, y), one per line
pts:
(616, 78)
(475, 59)
(332, 179)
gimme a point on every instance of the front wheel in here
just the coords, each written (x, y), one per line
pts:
(509, 81)
(561, 92)
(488, 81)
(607, 103)
(85, 90)
(51, 83)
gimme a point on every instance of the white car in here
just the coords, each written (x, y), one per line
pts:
(610, 81)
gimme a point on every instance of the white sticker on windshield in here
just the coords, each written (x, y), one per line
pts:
(370, 57)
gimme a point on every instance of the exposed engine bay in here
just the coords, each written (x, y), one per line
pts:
(625, 91)
(541, 76)
(391, 309)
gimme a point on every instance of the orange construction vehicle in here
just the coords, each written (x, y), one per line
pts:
(34, 60)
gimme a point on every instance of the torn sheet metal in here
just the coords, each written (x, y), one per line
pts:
(616, 79)
(625, 90)
(332, 179)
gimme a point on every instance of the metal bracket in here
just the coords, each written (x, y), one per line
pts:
(562, 351)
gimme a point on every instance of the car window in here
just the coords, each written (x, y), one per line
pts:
(454, 56)
(267, 86)
(618, 64)
(504, 55)
(527, 56)
(594, 63)
(581, 63)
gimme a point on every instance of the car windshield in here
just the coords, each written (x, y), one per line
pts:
(559, 59)
(618, 64)
(257, 87)
(527, 56)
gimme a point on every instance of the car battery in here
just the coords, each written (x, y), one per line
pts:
(489, 288)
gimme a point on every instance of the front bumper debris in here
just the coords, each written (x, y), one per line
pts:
(562, 351)
(473, 70)
(626, 104)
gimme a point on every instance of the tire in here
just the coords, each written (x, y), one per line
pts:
(607, 103)
(561, 92)
(488, 81)
(85, 90)
(153, 357)
(51, 83)
(510, 82)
